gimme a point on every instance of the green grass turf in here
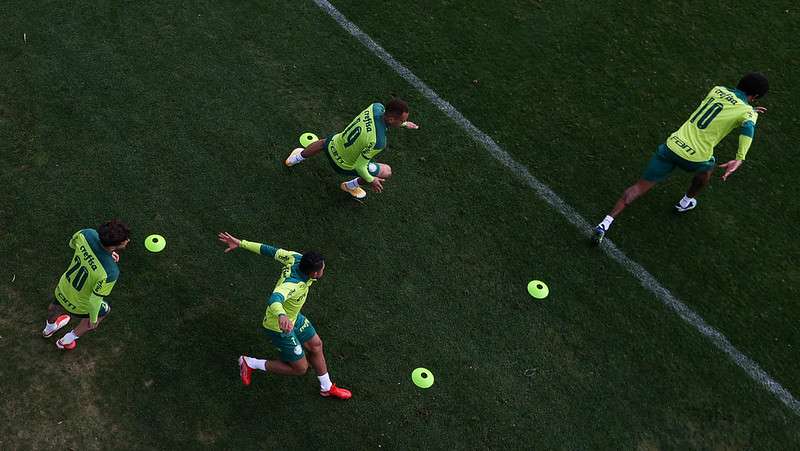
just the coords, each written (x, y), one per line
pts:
(177, 118)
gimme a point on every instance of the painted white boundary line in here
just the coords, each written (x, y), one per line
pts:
(647, 280)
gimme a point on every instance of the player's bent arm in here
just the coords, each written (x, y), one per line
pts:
(259, 248)
(745, 139)
(361, 167)
(276, 304)
(94, 309)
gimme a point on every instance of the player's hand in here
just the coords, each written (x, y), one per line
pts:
(230, 240)
(115, 256)
(760, 109)
(285, 323)
(410, 125)
(377, 184)
(730, 167)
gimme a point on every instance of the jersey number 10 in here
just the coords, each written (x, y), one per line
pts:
(352, 132)
(708, 114)
(80, 277)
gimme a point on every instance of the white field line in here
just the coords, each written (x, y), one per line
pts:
(548, 195)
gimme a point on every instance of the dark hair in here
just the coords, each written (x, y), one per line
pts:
(113, 232)
(396, 107)
(311, 262)
(754, 84)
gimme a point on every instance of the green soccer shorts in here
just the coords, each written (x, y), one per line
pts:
(664, 161)
(290, 345)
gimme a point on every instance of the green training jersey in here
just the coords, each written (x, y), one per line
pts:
(722, 110)
(362, 140)
(91, 275)
(290, 292)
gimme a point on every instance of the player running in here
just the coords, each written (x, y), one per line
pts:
(286, 328)
(351, 151)
(691, 147)
(91, 276)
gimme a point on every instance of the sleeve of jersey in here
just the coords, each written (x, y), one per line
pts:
(73, 238)
(94, 307)
(275, 303)
(745, 139)
(104, 287)
(286, 257)
(361, 165)
(258, 248)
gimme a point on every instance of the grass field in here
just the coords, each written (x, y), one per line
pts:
(176, 117)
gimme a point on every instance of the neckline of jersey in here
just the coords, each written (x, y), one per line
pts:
(740, 94)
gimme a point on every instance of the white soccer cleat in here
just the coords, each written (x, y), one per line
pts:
(681, 208)
(293, 157)
(356, 192)
(60, 322)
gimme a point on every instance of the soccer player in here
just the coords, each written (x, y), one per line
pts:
(285, 326)
(691, 147)
(351, 152)
(90, 277)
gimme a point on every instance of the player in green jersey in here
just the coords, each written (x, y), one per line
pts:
(91, 276)
(351, 152)
(691, 147)
(286, 327)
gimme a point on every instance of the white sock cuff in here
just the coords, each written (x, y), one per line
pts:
(69, 337)
(325, 383)
(258, 364)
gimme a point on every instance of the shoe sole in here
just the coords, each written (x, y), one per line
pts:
(57, 328)
(286, 161)
(241, 371)
(351, 193)
(335, 397)
(65, 347)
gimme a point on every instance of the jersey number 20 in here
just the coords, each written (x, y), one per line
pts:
(80, 277)
(708, 114)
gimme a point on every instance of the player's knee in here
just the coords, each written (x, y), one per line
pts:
(315, 346)
(386, 171)
(300, 367)
(630, 194)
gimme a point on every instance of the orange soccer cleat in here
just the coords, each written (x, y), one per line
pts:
(336, 392)
(244, 370)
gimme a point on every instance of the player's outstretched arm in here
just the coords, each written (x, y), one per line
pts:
(231, 241)
(730, 167)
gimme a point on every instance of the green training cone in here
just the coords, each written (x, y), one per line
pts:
(155, 243)
(422, 378)
(307, 138)
(538, 289)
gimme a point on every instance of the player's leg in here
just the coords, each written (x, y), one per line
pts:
(299, 154)
(379, 170)
(312, 344)
(57, 317)
(658, 168)
(701, 179)
(69, 341)
(633, 192)
(292, 360)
